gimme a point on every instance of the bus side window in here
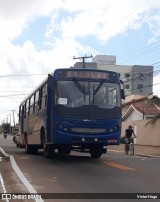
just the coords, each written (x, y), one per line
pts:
(20, 113)
(27, 108)
(40, 99)
(31, 104)
(34, 105)
(44, 96)
(36, 101)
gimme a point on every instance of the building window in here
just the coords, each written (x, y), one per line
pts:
(140, 87)
(141, 76)
(127, 76)
(126, 87)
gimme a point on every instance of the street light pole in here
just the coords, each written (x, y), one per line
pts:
(13, 118)
(10, 123)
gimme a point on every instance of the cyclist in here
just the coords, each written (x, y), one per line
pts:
(5, 134)
(128, 135)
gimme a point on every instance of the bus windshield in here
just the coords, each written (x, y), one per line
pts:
(88, 99)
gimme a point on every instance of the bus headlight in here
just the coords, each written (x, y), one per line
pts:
(65, 129)
(83, 139)
(114, 129)
(96, 140)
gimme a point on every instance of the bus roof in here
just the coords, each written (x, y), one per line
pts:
(32, 92)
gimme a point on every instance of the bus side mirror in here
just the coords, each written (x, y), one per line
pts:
(122, 90)
(50, 81)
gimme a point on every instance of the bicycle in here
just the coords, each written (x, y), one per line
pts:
(129, 147)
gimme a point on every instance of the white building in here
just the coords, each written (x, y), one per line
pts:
(138, 79)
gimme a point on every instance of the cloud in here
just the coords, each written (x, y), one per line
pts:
(70, 23)
(156, 83)
(102, 19)
(15, 17)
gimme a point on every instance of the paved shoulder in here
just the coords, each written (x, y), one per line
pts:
(141, 150)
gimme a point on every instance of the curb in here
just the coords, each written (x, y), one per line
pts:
(143, 155)
(4, 154)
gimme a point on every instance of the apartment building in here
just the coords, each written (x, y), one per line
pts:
(138, 79)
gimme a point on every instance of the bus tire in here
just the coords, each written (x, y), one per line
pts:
(64, 149)
(61, 151)
(20, 145)
(27, 147)
(96, 151)
(47, 149)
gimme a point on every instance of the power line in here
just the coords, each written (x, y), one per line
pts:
(140, 70)
(135, 50)
(13, 95)
(143, 53)
(19, 75)
(143, 87)
(123, 19)
(140, 49)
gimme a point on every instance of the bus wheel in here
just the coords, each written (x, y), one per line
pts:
(27, 147)
(96, 151)
(65, 149)
(47, 149)
(61, 151)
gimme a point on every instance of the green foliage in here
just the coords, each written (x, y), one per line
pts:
(154, 119)
(5, 126)
(155, 100)
(122, 140)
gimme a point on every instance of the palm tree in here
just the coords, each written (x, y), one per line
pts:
(154, 100)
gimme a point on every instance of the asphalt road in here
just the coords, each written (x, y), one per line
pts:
(79, 173)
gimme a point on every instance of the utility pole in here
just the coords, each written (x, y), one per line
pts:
(83, 59)
(10, 123)
(13, 118)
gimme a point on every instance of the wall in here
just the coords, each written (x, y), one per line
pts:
(146, 135)
(134, 116)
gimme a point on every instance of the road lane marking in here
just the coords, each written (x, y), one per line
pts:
(24, 179)
(118, 166)
(23, 158)
(3, 186)
(21, 176)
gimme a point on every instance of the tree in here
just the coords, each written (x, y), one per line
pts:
(6, 126)
(154, 100)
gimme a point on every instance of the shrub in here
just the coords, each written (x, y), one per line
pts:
(122, 140)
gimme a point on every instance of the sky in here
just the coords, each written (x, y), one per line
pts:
(38, 36)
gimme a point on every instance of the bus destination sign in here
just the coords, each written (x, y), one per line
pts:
(87, 74)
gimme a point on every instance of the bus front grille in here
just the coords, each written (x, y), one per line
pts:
(89, 130)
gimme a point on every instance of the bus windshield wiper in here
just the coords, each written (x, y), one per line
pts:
(79, 86)
(95, 91)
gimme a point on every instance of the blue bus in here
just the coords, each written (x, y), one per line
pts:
(72, 109)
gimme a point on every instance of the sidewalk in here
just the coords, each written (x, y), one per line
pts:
(140, 150)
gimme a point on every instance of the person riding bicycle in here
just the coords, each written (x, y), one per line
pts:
(5, 134)
(128, 135)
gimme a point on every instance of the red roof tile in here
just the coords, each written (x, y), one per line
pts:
(146, 109)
